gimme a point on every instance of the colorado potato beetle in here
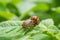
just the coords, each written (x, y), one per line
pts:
(31, 22)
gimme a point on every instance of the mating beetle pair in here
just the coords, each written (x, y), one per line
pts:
(31, 22)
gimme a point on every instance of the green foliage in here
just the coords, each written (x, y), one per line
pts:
(5, 16)
(46, 30)
(12, 8)
(12, 12)
(12, 1)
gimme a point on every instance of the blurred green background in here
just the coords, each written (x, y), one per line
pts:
(23, 9)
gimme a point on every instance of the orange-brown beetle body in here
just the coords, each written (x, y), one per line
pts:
(31, 22)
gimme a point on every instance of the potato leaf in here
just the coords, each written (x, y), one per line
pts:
(11, 29)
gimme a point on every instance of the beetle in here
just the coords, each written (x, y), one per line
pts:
(31, 22)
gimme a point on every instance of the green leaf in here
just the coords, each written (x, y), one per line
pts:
(58, 10)
(41, 7)
(36, 37)
(13, 9)
(48, 25)
(12, 1)
(5, 16)
(58, 36)
(15, 1)
(2, 7)
(11, 29)
(47, 22)
(40, 37)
